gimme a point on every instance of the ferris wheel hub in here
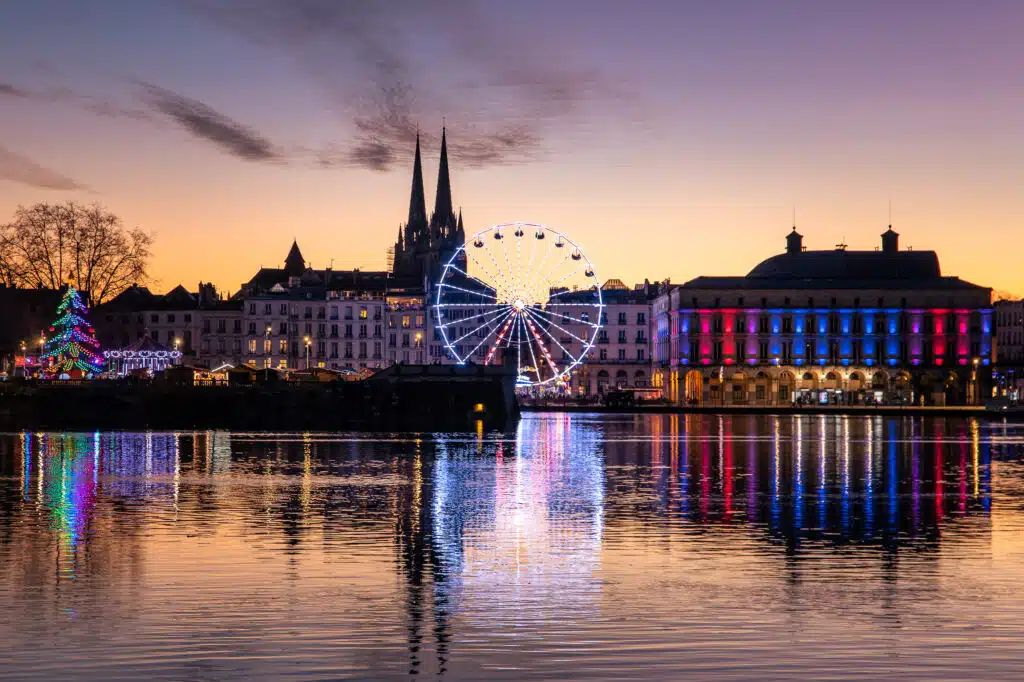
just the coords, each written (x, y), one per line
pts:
(519, 304)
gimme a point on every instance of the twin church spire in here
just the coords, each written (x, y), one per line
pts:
(423, 245)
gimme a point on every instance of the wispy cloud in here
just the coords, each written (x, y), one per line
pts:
(208, 124)
(101, 106)
(389, 66)
(386, 135)
(18, 168)
(388, 69)
(8, 90)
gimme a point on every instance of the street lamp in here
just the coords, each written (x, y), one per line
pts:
(976, 397)
(306, 339)
(42, 342)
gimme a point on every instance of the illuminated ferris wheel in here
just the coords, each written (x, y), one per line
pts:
(520, 294)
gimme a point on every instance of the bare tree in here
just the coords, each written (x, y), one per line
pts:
(49, 245)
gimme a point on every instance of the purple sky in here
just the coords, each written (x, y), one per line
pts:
(671, 139)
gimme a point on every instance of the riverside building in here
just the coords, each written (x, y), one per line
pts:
(296, 316)
(826, 327)
(621, 355)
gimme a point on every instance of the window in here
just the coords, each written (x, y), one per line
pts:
(283, 346)
(252, 346)
(641, 354)
(622, 318)
(622, 336)
(363, 313)
(603, 354)
(622, 354)
(641, 318)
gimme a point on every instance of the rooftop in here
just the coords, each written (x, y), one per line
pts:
(840, 268)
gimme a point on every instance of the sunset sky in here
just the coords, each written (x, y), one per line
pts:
(670, 139)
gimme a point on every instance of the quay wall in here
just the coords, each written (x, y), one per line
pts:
(411, 398)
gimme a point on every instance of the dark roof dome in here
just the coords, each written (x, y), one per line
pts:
(842, 264)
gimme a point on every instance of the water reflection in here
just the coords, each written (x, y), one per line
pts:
(823, 478)
(457, 553)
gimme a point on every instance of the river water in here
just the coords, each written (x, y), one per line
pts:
(580, 546)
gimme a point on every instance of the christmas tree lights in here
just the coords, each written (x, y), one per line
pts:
(72, 343)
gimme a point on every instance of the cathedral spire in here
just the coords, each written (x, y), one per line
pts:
(442, 222)
(417, 201)
(460, 230)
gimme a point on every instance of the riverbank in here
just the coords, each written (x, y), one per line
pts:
(885, 410)
(402, 397)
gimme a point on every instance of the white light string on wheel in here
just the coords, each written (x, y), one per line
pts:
(501, 297)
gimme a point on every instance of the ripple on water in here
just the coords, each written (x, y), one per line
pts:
(580, 546)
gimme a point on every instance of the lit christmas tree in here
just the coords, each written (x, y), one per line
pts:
(72, 344)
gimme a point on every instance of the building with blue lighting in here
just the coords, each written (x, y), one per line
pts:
(826, 327)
